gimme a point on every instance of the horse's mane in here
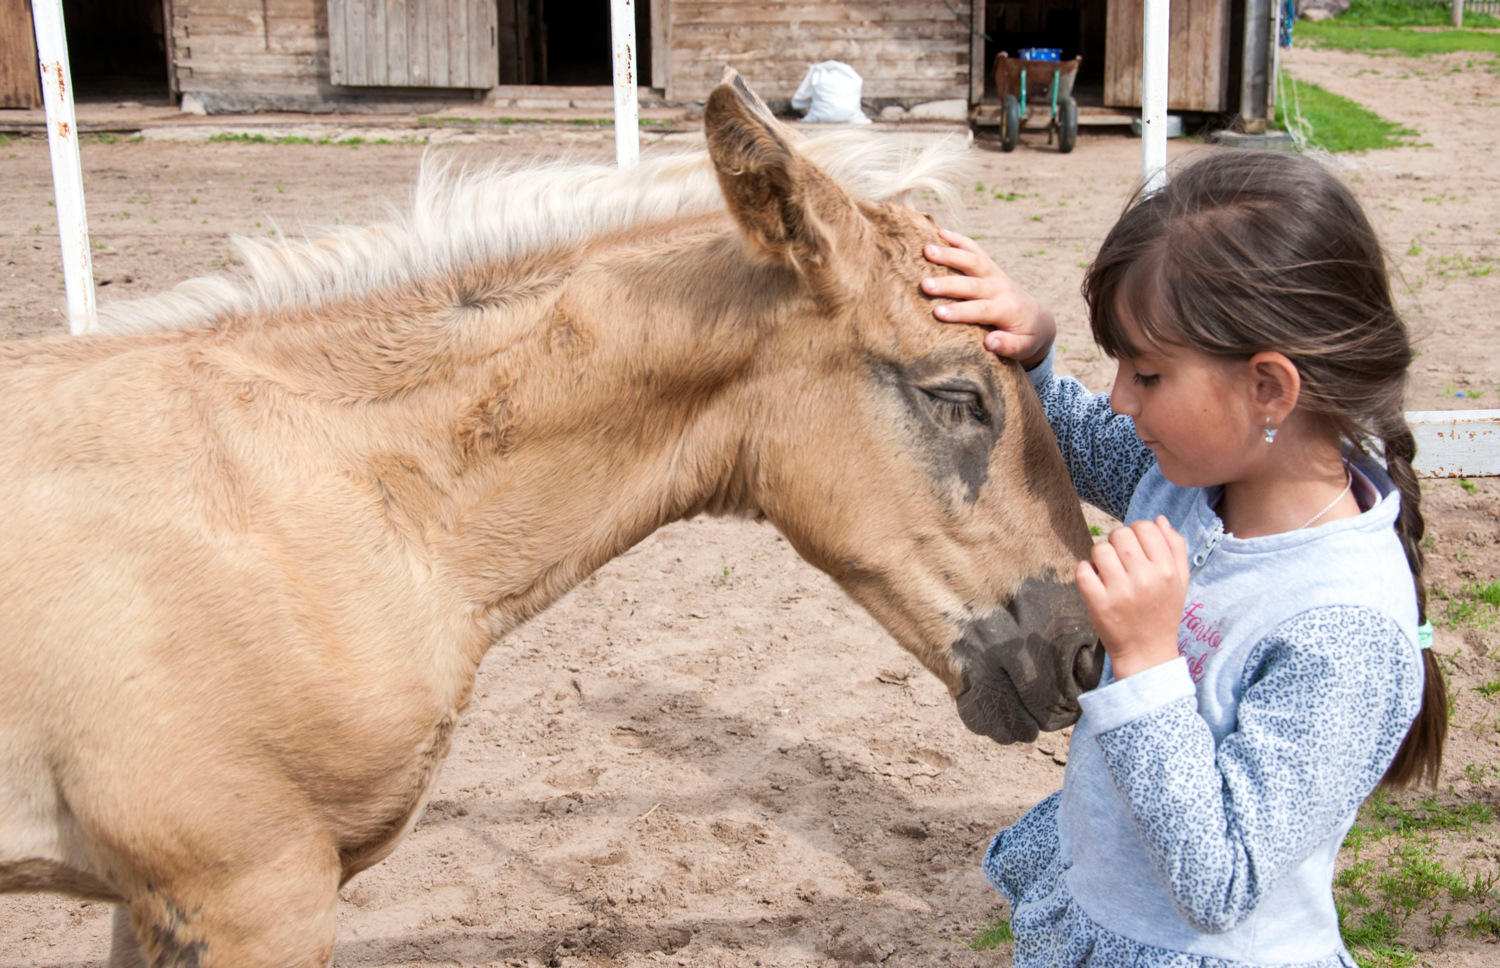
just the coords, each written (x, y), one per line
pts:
(460, 215)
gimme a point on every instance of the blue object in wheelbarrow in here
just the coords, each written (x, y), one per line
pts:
(1022, 80)
(1041, 53)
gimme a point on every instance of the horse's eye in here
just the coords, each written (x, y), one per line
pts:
(958, 404)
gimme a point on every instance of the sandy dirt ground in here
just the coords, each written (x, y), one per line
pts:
(706, 754)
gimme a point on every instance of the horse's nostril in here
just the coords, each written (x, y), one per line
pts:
(1088, 665)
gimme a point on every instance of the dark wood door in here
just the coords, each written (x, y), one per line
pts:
(20, 81)
(1197, 59)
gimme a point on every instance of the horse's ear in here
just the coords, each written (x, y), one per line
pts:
(788, 209)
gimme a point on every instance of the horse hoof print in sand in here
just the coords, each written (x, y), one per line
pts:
(260, 531)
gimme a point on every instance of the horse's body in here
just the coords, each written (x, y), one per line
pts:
(254, 552)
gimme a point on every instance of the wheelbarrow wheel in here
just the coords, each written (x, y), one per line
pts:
(1067, 124)
(1010, 123)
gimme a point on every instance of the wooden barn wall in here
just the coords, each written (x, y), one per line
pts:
(907, 49)
(251, 46)
(910, 49)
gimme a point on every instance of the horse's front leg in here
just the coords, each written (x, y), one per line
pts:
(280, 914)
(125, 947)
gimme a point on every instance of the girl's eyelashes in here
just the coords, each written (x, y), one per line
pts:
(1145, 379)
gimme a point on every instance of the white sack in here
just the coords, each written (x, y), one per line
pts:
(830, 94)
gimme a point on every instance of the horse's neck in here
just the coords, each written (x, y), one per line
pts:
(575, 410)
(631, 411)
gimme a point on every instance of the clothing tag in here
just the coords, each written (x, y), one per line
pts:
(1424, 635)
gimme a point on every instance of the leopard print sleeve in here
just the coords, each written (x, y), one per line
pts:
(1105, 459)
(1326, 700)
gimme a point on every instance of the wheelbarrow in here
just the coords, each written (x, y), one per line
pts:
(1022, 82)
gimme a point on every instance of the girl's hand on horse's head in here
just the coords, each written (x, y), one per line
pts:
(1135, 587)
(1024, 328)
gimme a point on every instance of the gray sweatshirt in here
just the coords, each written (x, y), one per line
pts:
(1205, 799)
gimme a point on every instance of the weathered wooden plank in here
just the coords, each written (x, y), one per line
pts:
(338, 40)
(238, 23)
(694, 85)
(687, 35)
(20, 85)
(292, 65)
(801, 11)
(277, 9)
(239, 43)
(976, 51)
(397, 23)
(490, 45)
(1456, 443)
(437, 42)
(475, 43)
(458, 43)
(171, 52)
(359, 33)
(375, 31)
(807, 46)
(661, 43)
(416, 42)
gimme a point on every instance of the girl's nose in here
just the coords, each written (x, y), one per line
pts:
(1122, 397)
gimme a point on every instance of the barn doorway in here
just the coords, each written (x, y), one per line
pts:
(566, 42)
(1077, 26)
(117, 50)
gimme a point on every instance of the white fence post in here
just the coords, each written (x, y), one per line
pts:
(67, 169)
(1156, 41)
(627, 103)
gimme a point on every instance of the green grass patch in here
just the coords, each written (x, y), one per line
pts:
(995, 934)
(1474, 605)
(1336, 123)
(1376, 901)
(1402, 13)
(1371, 937)
(1383, 815)
(1333, 35)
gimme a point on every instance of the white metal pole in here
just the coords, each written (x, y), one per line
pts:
(1156, 39)
(67, 170)
(627, 104)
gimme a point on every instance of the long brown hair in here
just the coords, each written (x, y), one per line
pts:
(1248, 251)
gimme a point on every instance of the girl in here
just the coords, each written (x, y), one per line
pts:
(1261, 608)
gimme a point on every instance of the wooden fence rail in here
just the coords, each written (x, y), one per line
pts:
(1456, 443)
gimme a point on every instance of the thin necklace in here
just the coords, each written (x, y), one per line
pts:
(1348, 483)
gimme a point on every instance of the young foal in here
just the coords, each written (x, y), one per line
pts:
(255, 551)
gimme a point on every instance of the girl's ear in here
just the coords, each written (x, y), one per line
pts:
(1276, 384)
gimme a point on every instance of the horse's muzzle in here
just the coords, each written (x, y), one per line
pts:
(1027, 664)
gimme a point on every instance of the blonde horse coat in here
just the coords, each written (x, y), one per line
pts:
(257, 542)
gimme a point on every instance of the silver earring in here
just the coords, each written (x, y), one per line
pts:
(1270, 432)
